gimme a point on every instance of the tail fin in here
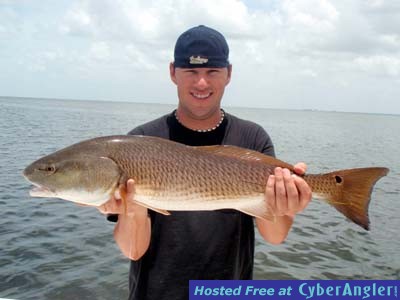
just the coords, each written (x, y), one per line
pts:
(356, 192)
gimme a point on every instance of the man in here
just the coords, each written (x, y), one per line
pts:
(168, 251)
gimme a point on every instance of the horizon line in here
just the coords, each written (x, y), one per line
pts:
(230, 106)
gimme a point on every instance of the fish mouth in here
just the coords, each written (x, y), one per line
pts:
(41, 191)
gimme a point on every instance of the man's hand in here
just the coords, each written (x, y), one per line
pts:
(117, 206)
(133, 229)
(287, 194)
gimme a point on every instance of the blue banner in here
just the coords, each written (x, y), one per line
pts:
(294, 289)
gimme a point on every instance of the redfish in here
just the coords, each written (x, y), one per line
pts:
(173, 177)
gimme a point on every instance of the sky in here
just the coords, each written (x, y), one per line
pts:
(340, 55)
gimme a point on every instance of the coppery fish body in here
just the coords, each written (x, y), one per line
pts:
(170, 176)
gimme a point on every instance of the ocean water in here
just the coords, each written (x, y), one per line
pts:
(53, 249)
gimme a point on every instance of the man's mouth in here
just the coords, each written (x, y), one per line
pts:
(201, 96)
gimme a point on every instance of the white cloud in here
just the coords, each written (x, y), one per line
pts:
(375, 3)
(236, 15)
(77, 21)
(313, 15)
(315, 44)
(99, 50)
(152, 20)
(139, 59)
(308, 73)
(391, 40)
(383, 16)
(9, 24)
(380, 65)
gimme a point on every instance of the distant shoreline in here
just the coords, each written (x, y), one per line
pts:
(173, 104)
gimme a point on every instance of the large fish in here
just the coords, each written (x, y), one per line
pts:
(170, 176)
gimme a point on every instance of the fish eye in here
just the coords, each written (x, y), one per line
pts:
(48, 169)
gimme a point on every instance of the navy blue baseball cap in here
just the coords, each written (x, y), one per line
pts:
(201, 47)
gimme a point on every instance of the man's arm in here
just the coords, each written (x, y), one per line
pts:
(133, 230)
(286, 195)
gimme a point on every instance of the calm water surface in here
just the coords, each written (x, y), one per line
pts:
(52, 249)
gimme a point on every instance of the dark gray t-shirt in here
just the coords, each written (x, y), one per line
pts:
(197, 244)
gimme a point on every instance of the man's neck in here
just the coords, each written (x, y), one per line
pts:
(199, 123)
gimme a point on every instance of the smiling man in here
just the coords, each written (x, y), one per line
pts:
(201, 71)
(200, 91)
(168, 251)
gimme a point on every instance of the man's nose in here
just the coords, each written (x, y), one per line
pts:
(202, 82)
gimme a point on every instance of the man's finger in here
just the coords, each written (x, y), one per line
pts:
(130, 187)
(117, 194)
(270, 194)
(280, 191)
(305, 192)
(291, 191)
(300, 168)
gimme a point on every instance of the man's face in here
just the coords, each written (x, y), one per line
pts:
(200, 90)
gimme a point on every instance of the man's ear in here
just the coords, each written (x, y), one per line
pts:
(172, 72)
(229, 74)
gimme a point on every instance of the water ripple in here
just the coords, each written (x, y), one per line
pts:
(53, 249)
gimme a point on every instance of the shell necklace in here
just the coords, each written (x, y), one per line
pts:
(208, 129)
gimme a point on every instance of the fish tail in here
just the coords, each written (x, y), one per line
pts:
(353, 194)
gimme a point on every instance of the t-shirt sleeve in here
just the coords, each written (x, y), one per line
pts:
(264, 143)
(136, 131)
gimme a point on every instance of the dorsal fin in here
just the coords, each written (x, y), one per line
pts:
(244, 154)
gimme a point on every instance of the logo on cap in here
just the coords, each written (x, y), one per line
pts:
(197, 60)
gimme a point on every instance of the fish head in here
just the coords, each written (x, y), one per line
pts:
(85, 179)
